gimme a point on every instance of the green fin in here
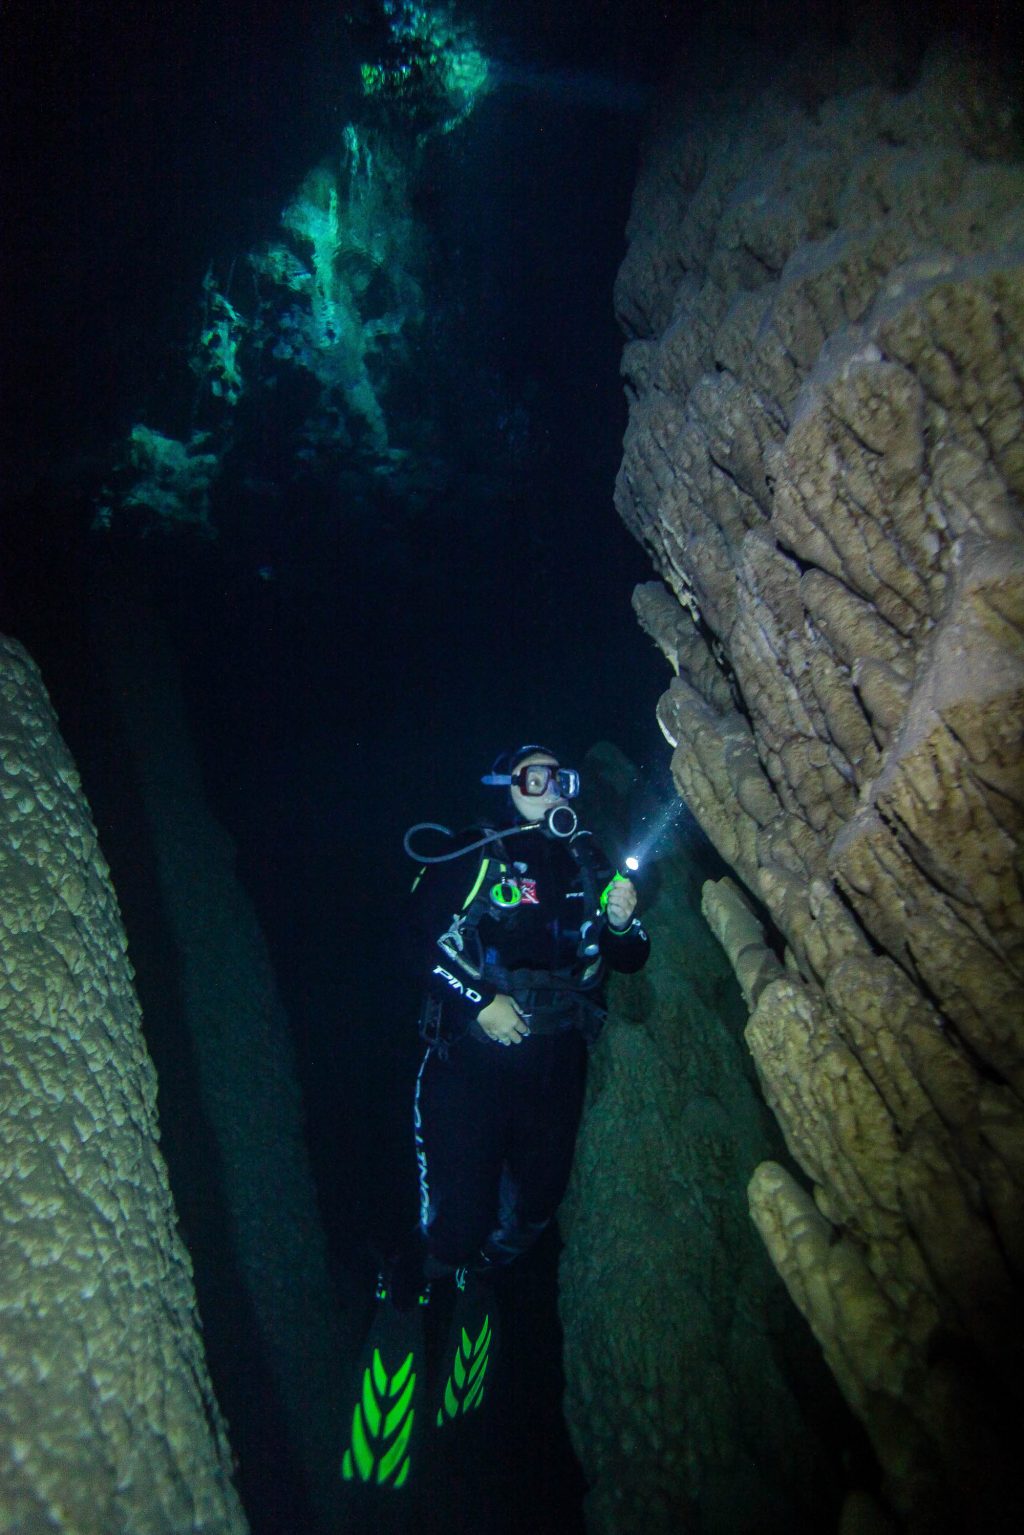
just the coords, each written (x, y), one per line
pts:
(381, 1437)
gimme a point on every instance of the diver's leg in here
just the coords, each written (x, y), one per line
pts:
(461, 1123)
(545, 1117)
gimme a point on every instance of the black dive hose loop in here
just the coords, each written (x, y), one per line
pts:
(560, 821)
(471, 847)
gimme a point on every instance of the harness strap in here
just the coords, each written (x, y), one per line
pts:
(478, 904)
(485, 864)
(515, 981)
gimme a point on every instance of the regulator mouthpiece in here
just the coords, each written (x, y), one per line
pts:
(561, 821)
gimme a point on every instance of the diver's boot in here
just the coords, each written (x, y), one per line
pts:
(386, 1396)
(468, 1361)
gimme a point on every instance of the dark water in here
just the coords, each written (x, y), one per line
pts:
(353, 650)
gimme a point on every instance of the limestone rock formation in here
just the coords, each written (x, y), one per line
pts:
(107, 1416)
(234, 1024)
(694, 1396)
(824, 304)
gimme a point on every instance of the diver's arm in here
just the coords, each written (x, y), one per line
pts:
(626, 952)
(439, 896)
(621, 907)
(623, 942)
(460, 995)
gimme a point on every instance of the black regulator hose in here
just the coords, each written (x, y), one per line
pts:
(560, 821)
(460, 852)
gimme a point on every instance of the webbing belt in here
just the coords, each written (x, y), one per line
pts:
(514, 981)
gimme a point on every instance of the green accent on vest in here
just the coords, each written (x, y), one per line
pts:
(485, 864)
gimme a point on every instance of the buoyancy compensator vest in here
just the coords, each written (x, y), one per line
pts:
(554, 999)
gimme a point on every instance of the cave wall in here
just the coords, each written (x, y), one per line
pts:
(107, 1415)
(695, 1398)
(231, 1019)
(824, 306)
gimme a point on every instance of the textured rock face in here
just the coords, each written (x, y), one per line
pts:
(235, 1025)
(825, 305)
(694, 1394)
(107, 1416)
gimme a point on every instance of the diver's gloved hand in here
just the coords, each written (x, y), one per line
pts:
(502, 1021)
(621, 904)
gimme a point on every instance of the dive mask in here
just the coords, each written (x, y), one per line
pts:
(537, 777)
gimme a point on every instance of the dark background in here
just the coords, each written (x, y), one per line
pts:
(396, 647)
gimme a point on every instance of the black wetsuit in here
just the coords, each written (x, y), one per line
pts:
(496, 1124)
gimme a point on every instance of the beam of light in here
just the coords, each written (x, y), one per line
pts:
(657, 826)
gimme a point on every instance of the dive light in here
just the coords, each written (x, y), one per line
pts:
(588, 940)
(631, 864)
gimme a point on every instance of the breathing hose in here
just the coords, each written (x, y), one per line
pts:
(494, 836)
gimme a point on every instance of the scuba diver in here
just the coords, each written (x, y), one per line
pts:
(515, 930)
(516, 953)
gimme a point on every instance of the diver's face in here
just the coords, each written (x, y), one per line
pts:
(534, 807)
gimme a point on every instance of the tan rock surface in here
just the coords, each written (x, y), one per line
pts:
(825, 312)
(107, 1416)
(693, 1395)
(234, 1025)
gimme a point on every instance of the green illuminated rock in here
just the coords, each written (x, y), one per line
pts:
(165, 480)
(349, 271)
(433, 74)
(215, 356)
